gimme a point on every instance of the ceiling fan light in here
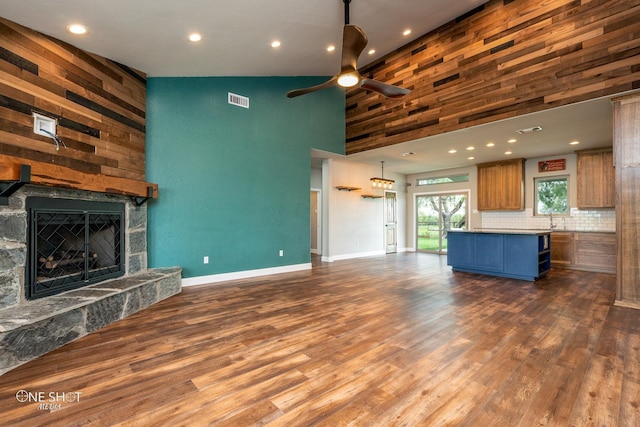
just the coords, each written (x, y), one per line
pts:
(348, 80)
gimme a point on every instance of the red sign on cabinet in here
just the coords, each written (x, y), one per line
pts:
(552, 165)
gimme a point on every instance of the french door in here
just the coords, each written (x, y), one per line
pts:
(435, 215)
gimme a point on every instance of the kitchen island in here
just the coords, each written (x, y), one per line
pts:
(518, 254)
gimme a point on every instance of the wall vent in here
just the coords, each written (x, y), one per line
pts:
(239, 100)
(529, 130)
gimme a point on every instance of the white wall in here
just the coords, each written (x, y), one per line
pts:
(316, 178)
(353, 226)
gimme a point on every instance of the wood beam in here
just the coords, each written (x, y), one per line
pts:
(626, 147)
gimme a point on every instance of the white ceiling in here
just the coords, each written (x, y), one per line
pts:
(151, 35)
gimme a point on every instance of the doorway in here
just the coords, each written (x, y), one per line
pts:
(436, 214)
(315, 221)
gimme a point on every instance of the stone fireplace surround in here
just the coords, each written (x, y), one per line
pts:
(29, 329)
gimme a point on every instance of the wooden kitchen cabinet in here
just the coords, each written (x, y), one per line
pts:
(561, 248)
(596, 179)
(595, 251)
(501, 185)
(590, 251)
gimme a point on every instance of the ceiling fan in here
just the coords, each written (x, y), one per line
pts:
(353, 42)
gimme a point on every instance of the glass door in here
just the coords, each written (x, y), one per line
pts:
(436, 214)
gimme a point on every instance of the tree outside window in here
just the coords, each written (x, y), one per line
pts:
(551, 195)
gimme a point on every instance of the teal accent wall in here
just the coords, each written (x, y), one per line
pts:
(234, 182)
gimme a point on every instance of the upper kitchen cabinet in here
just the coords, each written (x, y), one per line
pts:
(501, 185)
(596, 178)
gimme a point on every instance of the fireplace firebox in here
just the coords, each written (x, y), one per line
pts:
(72, 243)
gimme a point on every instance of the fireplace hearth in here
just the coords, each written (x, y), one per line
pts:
(85, 254)
(72, 243)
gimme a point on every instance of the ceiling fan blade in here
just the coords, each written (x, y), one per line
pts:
(390, 91)
(297, 92)
(353, 42)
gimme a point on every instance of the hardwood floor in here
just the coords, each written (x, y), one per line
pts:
(391, 340)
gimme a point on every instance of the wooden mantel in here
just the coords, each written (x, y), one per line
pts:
(59, 176)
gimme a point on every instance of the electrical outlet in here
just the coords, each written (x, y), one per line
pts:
(206, 260)
(281, 252)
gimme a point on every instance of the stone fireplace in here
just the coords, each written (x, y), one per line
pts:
(71, 244)
(71, 262)
(85, 266)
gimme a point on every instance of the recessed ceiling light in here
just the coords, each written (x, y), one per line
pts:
(406, 32)
(470, 148)
(508, 152)
(452, 151)
(371, 51)
(491, 144)
(512, 140)
(574, 143)
(331, 48)
(470, 158)
(77, 29)
(195, 37)
(275, 43)
(408, 153)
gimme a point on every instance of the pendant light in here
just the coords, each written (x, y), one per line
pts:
(382, 182)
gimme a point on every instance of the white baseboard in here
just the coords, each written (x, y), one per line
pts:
(361, 255)
(351, 256)
(223, 277)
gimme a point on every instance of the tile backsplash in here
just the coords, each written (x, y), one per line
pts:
(603, 220)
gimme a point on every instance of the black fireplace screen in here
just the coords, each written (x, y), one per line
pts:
(72, 243)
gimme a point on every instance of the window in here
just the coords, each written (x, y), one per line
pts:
(443, 179)
(551, 195)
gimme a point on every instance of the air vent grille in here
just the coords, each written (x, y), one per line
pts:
(529, 130)
(239, 100)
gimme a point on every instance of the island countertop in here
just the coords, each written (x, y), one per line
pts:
(504, 231)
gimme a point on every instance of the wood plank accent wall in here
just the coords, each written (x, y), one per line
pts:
(626, 149)
(503, 59)
(99, 106)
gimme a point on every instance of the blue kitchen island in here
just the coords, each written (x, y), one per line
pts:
(519, 254)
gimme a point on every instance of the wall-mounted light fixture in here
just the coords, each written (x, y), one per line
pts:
(382, 182)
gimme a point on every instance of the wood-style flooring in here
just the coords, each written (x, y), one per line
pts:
(381, 341)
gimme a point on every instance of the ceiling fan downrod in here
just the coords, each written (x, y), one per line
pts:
(346, 11)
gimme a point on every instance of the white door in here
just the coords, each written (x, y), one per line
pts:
(391, 221)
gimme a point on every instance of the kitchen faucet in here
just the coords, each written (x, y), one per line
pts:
(551, 224)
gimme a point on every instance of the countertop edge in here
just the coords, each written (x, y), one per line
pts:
(503, 231)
